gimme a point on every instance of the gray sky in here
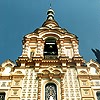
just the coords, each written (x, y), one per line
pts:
(20, 17)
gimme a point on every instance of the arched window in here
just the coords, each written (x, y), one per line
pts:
(93, 70)
(50, 47)
(50, 91)
(98, 95)
(2, 96)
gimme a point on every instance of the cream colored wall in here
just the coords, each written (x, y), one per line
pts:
(5, 88)
(71, 85)
(30, 85)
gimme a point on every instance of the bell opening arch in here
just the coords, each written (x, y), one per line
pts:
(50, 48)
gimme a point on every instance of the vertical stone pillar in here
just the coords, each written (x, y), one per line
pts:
(62, 48)
(75, 48)
(62, 88)
(15, 91)
(39, 48)
(39, 88)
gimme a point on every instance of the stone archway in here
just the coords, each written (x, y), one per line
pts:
(50, 91)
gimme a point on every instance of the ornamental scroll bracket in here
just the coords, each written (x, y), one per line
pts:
(50, 75)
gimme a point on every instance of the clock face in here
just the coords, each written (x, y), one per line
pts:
(7, 70)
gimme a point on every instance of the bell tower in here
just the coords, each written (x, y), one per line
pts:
(50, 58)
(50, 40)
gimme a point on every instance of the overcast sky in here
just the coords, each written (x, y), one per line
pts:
(20, 17)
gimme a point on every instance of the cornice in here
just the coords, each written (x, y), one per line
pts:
(87, 76)
(50, 75)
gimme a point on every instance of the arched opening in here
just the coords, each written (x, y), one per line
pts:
(98, 95)
(50, 91)
(2, 96)
(50, 48)
(93, 70)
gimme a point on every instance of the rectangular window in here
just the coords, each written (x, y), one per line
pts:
(15, 92)
(86, 91)
(3, 84)
(17, 83)
(97, 83)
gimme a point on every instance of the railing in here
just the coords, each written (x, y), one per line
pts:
(50, 56)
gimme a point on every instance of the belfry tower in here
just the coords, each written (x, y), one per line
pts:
(50, 55)
(50, 68)
(50, 41)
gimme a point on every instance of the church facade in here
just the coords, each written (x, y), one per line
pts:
(50, 68)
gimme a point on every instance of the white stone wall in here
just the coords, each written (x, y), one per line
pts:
(30, 86)
(71, 85)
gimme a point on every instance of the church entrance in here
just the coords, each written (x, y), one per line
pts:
(50, 91)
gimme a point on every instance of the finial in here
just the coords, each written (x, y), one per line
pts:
(50, 4)
(50, 13)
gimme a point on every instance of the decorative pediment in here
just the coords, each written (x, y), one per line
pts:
(45, 72)
(93, 63)
(56, 72)
(83, 72)
(7, 67)
(93, 67)
(50, 74)
(8, 63)
(18, 72)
